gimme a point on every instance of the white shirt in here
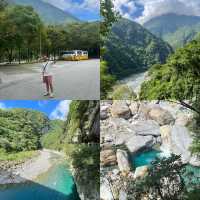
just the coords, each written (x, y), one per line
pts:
(47, 68)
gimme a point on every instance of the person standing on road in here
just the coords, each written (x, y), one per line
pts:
(48, 76)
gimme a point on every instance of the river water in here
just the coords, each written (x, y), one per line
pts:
(134, 81)
(147, 157)
(56, 184)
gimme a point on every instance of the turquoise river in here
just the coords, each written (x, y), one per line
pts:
(56, 184)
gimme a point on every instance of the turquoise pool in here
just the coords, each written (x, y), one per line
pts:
(56, 184)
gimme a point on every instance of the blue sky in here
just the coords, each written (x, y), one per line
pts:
(85, 10)
(144, 10)
(54, 109)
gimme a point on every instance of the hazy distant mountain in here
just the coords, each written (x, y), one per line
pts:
(130, 48)
(177, 30)
(48, 13)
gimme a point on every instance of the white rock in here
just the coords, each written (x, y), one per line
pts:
(140, 172)
(123, 161)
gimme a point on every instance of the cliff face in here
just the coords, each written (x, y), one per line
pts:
(82, 125)
(84, 161)
(86, 188)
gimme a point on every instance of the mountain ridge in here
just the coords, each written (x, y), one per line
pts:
(175, 29)
(48, 13)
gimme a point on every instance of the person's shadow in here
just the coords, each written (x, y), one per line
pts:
(34, 191)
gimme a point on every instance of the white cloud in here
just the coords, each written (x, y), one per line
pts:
(154, 8)
(125, 7)
(61, 110)
(2, 105)
(72, 6)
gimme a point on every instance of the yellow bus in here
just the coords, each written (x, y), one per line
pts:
(74, 55)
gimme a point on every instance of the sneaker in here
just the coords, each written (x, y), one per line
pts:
(46, 94)
(51, 95)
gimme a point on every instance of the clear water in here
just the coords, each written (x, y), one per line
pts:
(144, 158)
(56, 184)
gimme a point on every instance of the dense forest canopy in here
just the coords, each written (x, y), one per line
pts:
(24, 36)
(21, 129)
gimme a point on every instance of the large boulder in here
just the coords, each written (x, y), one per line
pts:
(122, 130)
(177, 140)
(141, 172)
(123, 161)
(181, 141)
(120, 109)
(144, 110)
(161, 116)
(108, 157)
(148, 127)
(137, 142)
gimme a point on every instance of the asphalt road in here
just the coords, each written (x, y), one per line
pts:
(73, 80)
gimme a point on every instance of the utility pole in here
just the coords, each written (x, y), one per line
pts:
(40, 43)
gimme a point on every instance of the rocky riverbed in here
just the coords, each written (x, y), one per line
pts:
(130, 127)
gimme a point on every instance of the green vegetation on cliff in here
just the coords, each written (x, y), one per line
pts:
(85, 162)
(178, 79)
(82, 124)
(53, 138)
(131, 48)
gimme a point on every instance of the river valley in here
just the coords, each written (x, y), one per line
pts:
(55, 184)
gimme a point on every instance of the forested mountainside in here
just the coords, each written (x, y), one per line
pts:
(53, 138)
(82, 124)
(178, 79)
(131, 48)
(175, 29)
(48, 13)
(21, 129)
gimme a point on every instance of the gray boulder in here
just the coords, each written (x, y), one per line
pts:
(120, 109)
(138, 142)
(161, 116)
(148, 127)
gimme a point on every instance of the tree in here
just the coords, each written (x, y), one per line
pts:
(167, 179)
(109, 16)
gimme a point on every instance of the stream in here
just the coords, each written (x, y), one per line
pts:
(134, 81)
(147, 157)
(56, 184)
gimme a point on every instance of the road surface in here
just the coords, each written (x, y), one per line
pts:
(73, 80)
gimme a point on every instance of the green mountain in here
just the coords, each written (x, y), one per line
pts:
(131, 48)
(177, 30)
(48, 13)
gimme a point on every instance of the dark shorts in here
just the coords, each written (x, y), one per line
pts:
(48, 79)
